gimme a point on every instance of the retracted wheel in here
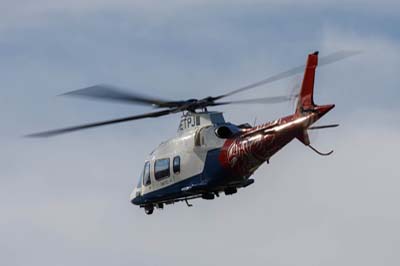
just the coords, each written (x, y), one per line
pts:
(149, 209)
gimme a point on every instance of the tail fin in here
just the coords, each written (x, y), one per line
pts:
(306, 105)
(306, 101)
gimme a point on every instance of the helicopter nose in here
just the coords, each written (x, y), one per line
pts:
(133, 194)
(135, 197)
(135, 201)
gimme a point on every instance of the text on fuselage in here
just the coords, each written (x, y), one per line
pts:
(189, 122)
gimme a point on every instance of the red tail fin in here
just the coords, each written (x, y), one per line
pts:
(306, 105)
(306, 100)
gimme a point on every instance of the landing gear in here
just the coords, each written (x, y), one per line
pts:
(230, 190)
(208, 196)
(187, 203)
(148, 209)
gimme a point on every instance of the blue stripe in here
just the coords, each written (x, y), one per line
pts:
(213, 175)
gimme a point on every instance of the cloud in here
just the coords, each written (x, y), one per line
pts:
(66, 200)
(76, 207)
(24, 13)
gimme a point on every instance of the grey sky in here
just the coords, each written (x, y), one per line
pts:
(65, 200)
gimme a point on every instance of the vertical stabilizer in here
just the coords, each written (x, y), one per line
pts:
(306, 100)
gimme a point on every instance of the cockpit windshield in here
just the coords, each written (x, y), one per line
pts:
(139, 184)
(144, 178)
(146, 174)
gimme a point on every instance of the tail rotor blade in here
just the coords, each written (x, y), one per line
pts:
(323, 127)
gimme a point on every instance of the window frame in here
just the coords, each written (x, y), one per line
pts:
(158, 178)
(148, 180)
(178, 170)
(140, 181)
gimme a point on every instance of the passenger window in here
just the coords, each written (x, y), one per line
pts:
(177, 164)
(161, 168)
(146, 174)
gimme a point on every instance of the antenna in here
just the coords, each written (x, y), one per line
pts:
(255, 120)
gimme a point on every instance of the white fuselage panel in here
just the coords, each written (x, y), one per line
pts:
(191, 144)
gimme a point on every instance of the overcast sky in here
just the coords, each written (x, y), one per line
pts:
(65, 200)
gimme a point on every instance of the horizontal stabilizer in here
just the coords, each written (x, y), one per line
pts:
(325, 126)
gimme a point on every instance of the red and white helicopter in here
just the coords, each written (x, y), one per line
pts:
(209, 155)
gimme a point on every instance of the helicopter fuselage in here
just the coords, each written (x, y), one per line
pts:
(210, 163)
(209, 156)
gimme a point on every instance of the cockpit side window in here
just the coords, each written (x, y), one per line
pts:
(146, 174)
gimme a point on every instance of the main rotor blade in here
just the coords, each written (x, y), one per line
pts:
(331, 58)
(112, 93)
(266, 100)
(55, 132)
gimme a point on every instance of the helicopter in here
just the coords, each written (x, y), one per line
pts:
(209, 156)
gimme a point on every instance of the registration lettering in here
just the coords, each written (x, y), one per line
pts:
(189, 121)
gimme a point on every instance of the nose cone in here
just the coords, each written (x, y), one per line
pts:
(135, 197)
